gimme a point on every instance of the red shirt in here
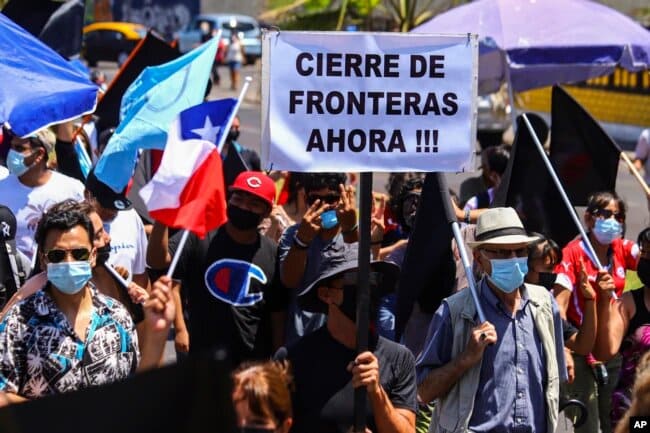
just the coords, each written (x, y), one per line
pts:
(623, 255)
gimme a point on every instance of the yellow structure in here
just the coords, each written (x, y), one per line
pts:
(620, 98)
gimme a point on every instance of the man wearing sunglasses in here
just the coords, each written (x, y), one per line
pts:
(501, 375)
(68, 336)
(330, 220)
(32, 187)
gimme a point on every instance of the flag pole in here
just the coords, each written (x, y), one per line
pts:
(177, 254)
(455, 228)
(565, 198)
(240, 98)
(363, 292)
(635, 173)
(222, 141)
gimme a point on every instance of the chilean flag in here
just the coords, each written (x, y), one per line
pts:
(188, 190)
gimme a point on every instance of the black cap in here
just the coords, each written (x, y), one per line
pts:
(339, 259)
(105, 196)
(7, 224)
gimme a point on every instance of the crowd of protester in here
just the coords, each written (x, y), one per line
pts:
(86, 302)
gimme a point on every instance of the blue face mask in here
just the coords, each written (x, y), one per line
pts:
(508, 274)
(16, 163)
(328, 219)
(69, 277)
(606, 230)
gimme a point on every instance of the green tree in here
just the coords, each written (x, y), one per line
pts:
(411, 13)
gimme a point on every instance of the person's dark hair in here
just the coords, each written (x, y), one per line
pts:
(85, 206)
(295, 183)
(102, 139)
(410, 185)
(497, 158)
(266, 387)
(316, 181)
(543, 247)
(644, 237)
(601, 199)
(62, 216)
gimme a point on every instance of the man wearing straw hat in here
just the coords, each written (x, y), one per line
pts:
(501, 375)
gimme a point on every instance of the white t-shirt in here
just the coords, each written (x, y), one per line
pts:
(28, 204)
(3, 172)
(472, 203)
(128, 242)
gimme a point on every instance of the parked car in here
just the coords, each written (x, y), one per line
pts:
(110, 41)
(246, 27)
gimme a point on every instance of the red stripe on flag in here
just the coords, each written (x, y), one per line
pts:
(202, 202)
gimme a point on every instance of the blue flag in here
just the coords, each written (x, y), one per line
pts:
(149, 106)
(40, 87)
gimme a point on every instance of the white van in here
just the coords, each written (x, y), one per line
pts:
(246, 27)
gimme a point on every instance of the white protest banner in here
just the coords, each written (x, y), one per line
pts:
(334, 101)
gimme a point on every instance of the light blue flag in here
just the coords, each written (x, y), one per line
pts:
(149, 106)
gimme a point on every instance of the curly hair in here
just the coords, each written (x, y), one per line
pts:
(63, 216)
(315, 181)
(410, 185)
(266, 387)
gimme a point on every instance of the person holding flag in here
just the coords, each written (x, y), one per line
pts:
(230, 276)
(228, 271)
(502, 374)
(604, 220)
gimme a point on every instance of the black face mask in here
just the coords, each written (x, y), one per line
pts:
(243, 219)
(643, 271)
(547, 279)
(349, 305)
(102, 254)
(233, 135)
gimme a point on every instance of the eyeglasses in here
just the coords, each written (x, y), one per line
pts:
(329, 198)
(58, 255)
(505, 254)
(607, 214)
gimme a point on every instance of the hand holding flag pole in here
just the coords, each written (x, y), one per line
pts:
(220, 144)
(565, 198)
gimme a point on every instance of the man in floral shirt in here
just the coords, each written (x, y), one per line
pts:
(69, 336)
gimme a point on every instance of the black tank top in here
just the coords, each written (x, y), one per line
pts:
(642, 315)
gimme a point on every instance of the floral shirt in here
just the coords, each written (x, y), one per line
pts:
(40, 354)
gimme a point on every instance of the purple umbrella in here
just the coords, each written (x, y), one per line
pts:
(545, 42)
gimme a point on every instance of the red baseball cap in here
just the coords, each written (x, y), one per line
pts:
(256, 183)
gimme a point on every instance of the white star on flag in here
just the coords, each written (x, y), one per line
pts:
(208, 132)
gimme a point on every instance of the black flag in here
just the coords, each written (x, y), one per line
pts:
(528, 187)
(151, 51)
(188, 397)
(585, 157)
(63, 31)
(31, 14)
(58, 24)
(428, 271)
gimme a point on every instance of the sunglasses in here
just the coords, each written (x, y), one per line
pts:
(521, 252)
(607, 214)
(58, 255)
(329, 198)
